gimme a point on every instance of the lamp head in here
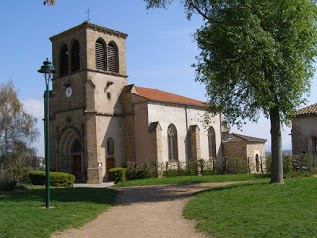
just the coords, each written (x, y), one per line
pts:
(47, 67)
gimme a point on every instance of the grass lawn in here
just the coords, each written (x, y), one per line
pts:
(23, 214)
(257, 209)
(192, 179)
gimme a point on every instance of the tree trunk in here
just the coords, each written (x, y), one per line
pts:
(276, 147)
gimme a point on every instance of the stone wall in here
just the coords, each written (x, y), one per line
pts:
(246, 151)
(235, 149)
(183, 117)
(304, 133)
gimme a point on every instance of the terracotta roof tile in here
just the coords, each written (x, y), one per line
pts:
(233, 137)
(161, 96)
(309, 110)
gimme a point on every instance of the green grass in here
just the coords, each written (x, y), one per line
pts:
(192, 179)
(257, 210)
(23, 214)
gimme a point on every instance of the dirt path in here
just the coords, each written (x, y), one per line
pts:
(151, 212)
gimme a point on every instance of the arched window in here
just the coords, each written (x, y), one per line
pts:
(64, 60)
(113, 64)
(75, 56)
(76, 147)
(100, 54)
(172, 143)
(212, 142)
(110, 146)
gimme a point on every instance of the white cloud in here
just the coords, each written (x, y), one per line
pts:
(34, 107)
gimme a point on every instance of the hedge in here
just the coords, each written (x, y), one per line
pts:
(57, 179)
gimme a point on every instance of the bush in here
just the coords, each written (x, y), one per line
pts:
(178, 172)
(7, 184)
(236, 165)
(37, 177)
(119, 174)
(297, 174)
(57, 179)
(210, 172)
(140, 173)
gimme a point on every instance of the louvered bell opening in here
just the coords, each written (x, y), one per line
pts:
(112, 59)
(75, 56)
(64, 61)
(100, 56)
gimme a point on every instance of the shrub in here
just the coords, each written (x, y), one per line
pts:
(178, 172)
(143, 170)
(37, 177)
(236, 165)
(57, 179)
(7, 184)
(210, 172)
(119, 174)
(297, 174)
(140, 173)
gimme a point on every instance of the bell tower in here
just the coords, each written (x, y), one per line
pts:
(85, 107)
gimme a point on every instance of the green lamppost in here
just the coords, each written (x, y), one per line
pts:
(47, 69)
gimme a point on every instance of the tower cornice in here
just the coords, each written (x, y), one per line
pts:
(92, 26)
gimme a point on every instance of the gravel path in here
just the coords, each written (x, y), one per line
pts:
(149, 212)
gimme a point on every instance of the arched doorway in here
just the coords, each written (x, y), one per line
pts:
(70, 156)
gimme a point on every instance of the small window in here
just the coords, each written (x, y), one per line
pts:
(172, 143)
(75, 56)
(113, 64)
(100, 55)
(64, 60)
(110, 146)
(109, 96)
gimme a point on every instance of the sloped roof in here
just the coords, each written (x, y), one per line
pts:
(309, 110)
(233, 137)
(161, 96)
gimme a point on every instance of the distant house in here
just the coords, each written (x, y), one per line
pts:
(304, 131)
(251, 148)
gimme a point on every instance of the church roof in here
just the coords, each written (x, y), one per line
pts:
(161, 96)
(233, 137)
(309, 110)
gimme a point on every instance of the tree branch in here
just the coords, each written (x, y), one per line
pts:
(197, 9)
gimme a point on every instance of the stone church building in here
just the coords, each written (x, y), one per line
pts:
(98, 121)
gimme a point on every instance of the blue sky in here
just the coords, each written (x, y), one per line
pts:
(160, 49)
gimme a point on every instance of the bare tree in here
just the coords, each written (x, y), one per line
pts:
(17, 133)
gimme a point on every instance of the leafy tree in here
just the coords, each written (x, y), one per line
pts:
(256, 56)
(17, 133)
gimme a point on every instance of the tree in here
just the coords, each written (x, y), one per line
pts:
(17, 133)
(256, 56)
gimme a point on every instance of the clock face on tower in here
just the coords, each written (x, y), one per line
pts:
(69, 92)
